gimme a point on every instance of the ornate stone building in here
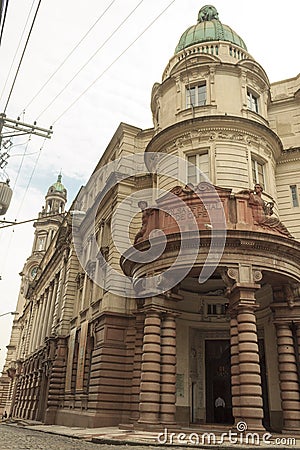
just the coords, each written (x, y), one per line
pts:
(48, 222)
(159, 346)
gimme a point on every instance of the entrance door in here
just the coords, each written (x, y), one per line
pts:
(218, 381)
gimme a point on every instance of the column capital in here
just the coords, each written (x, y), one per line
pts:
(160, 303)
(242, 296)
(241, 274)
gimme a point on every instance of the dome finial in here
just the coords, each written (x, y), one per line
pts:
(206, 13)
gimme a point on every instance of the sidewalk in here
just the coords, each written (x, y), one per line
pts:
(186, 437)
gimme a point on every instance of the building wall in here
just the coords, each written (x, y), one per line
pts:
(81, 342)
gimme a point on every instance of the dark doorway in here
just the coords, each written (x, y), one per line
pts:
(218, 381)
(264, 385)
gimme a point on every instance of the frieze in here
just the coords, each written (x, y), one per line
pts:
(216, 133)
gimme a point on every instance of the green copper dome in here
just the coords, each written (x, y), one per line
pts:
(209, 28)
(58, 186)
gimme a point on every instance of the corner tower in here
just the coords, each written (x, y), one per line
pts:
(211, 108)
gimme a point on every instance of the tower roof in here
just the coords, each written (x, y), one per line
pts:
(209, 28)
(57, 187)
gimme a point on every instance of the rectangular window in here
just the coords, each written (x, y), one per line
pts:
(197, 167)
(41, 244)
(196, 95)
(252, 101)
(258, 175)
(294, 194)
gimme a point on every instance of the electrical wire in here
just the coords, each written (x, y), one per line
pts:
(89, 60)
(22, 56)
(3, 22)
(113, 62)
(21, 163)
(4, 259)
(15, 55)
(12, 224)
(68, 56)
(31, 176)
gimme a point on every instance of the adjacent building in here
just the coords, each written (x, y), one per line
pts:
(115, 326)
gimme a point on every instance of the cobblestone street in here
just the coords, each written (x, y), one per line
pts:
(21, 438)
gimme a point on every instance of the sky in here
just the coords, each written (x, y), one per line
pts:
(119, 69)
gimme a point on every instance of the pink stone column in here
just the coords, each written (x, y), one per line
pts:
(150, 371)
(137, 362)
(235, 368)
(168, 368)
(288, 376)
(251, 403)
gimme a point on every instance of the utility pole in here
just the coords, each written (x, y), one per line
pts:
(11, 128)
(17, 128)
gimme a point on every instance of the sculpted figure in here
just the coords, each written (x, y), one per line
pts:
(207, 13)
(145, 216)
(262, 212)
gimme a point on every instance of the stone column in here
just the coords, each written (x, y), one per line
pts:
(288, 375)
(168, 368)
(58, 299)
(150, 371)
(137, 361)
(32, 332)
(52, 306)
(47, 306)
(235, 368)
(251, 403)
(298, 342)
(246, 380)
(37, 327)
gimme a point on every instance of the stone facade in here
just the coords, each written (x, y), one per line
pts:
(92, 347)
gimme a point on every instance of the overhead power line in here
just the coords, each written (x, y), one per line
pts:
(69, 55)
(12, 224)
(30, 178)
(4, 18)
(89, 60)
(11, 66)
(22, 56)
(114, 61)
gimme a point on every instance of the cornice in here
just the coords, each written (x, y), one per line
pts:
(256, 245)
(286, 157)
(230, 128)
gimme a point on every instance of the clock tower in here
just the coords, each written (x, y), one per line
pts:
(46, 225)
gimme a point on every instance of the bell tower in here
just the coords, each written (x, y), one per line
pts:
(50, 217)
(46, 225)
(48, 222)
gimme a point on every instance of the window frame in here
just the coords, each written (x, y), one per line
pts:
(294, 195)
(252, 101)
(254, 169)
(199, 177)
(199, 92)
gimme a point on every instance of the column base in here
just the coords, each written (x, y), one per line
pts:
(291, 431)
(139, 425)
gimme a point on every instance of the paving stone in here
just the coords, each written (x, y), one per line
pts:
(16, 437)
